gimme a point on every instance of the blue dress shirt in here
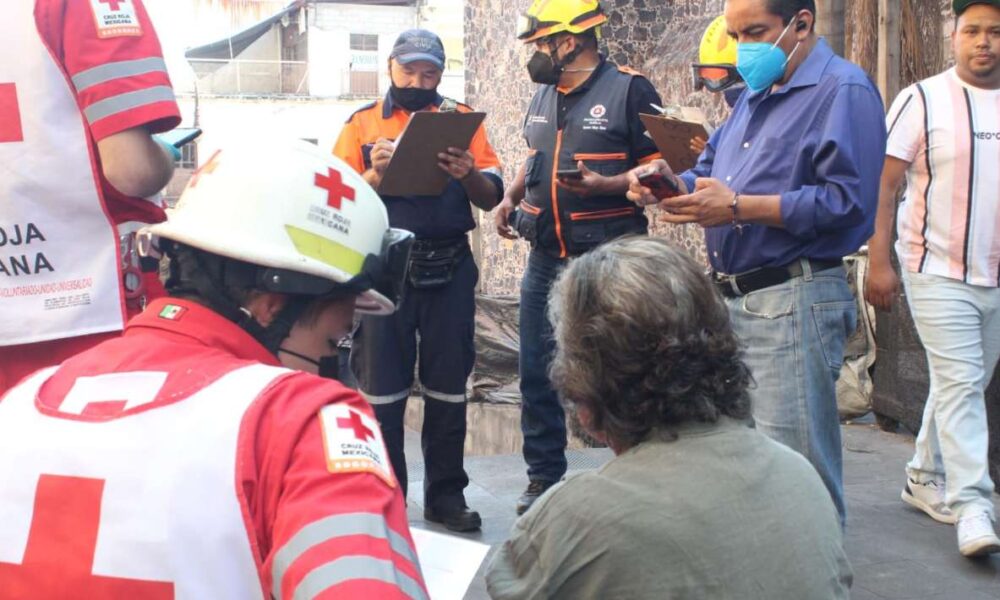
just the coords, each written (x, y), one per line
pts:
(819, 142)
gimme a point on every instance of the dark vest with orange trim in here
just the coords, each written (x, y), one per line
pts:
(596, 131)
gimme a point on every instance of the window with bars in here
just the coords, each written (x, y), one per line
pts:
(189, 157)
(367, 42)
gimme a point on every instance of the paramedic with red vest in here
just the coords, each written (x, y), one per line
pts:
(181, 460)
(82, 87)
(584, 117)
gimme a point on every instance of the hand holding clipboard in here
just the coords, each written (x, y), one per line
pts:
(673, 135)
(415, 167)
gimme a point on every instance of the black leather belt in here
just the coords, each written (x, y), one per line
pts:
(424, 246)
(733, 286)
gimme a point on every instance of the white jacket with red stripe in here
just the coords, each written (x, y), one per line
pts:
(172, 463)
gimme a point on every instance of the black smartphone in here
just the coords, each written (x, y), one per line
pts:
(180, 136)
(569, 174)
(660, 186)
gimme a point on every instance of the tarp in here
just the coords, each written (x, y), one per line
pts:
(494, 379)
(231, 47)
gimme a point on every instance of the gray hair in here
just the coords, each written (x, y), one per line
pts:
(644, 342)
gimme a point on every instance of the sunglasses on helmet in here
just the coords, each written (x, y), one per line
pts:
(714, 78)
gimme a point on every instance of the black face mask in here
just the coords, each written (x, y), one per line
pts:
(329, 366)
(412, 99)
(543, 69)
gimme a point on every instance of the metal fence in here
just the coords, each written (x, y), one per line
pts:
(251, 77)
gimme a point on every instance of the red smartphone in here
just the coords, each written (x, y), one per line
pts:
(569, 174)
(660, 186)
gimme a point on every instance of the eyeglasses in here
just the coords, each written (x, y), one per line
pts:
(714, 78)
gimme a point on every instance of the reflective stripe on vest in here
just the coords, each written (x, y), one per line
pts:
(595, 131)
(59, 265)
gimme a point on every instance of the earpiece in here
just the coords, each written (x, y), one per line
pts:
(800, 26)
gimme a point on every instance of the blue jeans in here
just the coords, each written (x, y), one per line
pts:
(543, 421)
(794, 335)
(959, 326)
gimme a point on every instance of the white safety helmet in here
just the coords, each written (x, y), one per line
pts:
(307, 218)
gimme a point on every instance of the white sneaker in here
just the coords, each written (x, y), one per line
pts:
(928, 497)
(976, 536)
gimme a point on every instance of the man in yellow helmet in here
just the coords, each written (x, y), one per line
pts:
(715, 70)
(584, 134)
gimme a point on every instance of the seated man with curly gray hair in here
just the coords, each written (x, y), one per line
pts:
(696, 503)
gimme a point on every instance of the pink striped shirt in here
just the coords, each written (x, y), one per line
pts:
(949, 220)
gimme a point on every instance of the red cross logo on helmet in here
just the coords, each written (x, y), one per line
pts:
(336, 190)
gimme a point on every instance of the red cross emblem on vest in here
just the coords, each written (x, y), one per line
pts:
(336, 189)
(10, 115)
(113, 4)
(361, 431)
(59, 558)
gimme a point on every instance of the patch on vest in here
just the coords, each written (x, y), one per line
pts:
(597, 120)
(115, 18)
(172, 312)
(353, 443)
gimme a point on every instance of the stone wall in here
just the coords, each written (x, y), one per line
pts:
(497, 83)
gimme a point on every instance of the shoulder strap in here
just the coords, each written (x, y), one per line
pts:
(368, 106)
(629, 71)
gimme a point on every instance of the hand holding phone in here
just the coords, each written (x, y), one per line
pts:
(569, 174)
(661, 187)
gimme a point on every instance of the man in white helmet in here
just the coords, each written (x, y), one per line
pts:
(181, 460)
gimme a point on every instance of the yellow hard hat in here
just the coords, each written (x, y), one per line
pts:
(548, 17)
(716, 66)
(717, 48)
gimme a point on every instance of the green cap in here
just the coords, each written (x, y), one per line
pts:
(959, 6)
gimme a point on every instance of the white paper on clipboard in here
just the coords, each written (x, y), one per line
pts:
(449, 563)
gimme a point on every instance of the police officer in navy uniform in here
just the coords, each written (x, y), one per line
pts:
(584, 134)
(439, 303)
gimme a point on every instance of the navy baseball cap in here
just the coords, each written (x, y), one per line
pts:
(418, 44)
(959, 6)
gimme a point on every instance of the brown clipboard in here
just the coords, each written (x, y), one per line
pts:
(413, 169)
(673, 139)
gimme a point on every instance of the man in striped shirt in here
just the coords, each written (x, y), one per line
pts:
(945, 139)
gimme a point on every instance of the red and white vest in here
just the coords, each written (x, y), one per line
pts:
(59, 263)
(141, 506)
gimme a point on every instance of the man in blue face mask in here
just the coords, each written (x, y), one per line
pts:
(785, 189)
